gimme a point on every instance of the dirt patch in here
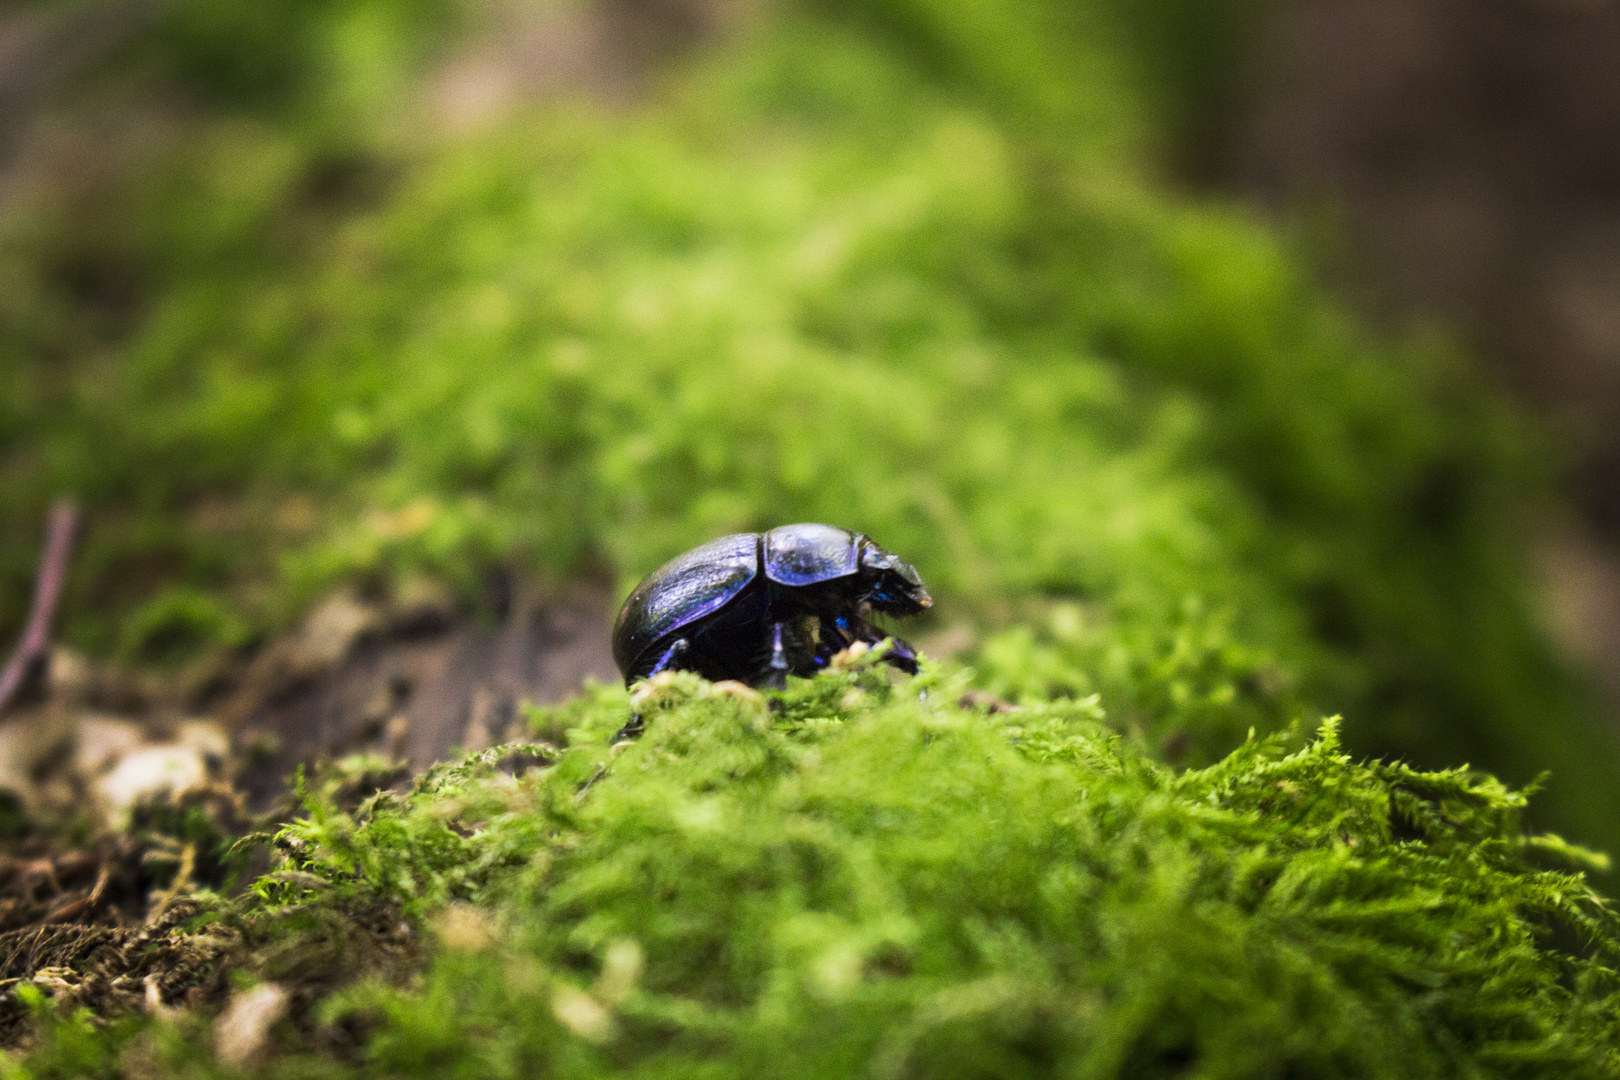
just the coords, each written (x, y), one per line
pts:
(411, 680)
(412, 687)
(122, 795)
(110, 970)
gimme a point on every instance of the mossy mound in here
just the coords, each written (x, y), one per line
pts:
(866, 878)
(893, 266)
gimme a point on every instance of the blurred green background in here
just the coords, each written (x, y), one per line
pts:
(295, 295)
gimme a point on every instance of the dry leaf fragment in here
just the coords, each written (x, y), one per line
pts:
(241, 1030)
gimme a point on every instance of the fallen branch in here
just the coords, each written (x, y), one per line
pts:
(36, 639)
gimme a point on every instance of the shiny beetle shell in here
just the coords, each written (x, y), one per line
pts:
(713, 611)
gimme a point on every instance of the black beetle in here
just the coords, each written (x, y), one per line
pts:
(711, 610)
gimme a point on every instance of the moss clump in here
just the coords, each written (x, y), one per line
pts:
(867, 878)
(891, 266)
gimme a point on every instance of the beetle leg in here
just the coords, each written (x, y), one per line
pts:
(637, 724)
(900, 654)
(834, 638)
(632, 729)
(671, 657)
(777, 679)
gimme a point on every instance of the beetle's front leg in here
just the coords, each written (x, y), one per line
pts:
(672, 656)
(900, 653)
(637, 724)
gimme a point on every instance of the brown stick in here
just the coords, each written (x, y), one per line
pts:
(36, 637)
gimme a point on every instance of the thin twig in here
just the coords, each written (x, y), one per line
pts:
(101, 885)
(181, 882)
(84, 905)
(579, 796)
(36, 637)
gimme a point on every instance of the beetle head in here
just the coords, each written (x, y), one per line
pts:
(893, 585)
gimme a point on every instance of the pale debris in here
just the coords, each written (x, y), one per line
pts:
(464, 928)
(102, 741)
(583, 1015)
(144, 773)
(206, 738)
(241, 1030)
(329, 632)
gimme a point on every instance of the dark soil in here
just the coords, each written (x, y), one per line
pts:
(418, 690)
(95, 901)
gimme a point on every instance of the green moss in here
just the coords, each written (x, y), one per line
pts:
(866, 878)
(892, 268)
(892, 265)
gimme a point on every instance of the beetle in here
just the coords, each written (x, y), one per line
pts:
(758, 607)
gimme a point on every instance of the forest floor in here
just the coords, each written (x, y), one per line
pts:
(89, 746)
(176, 840)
